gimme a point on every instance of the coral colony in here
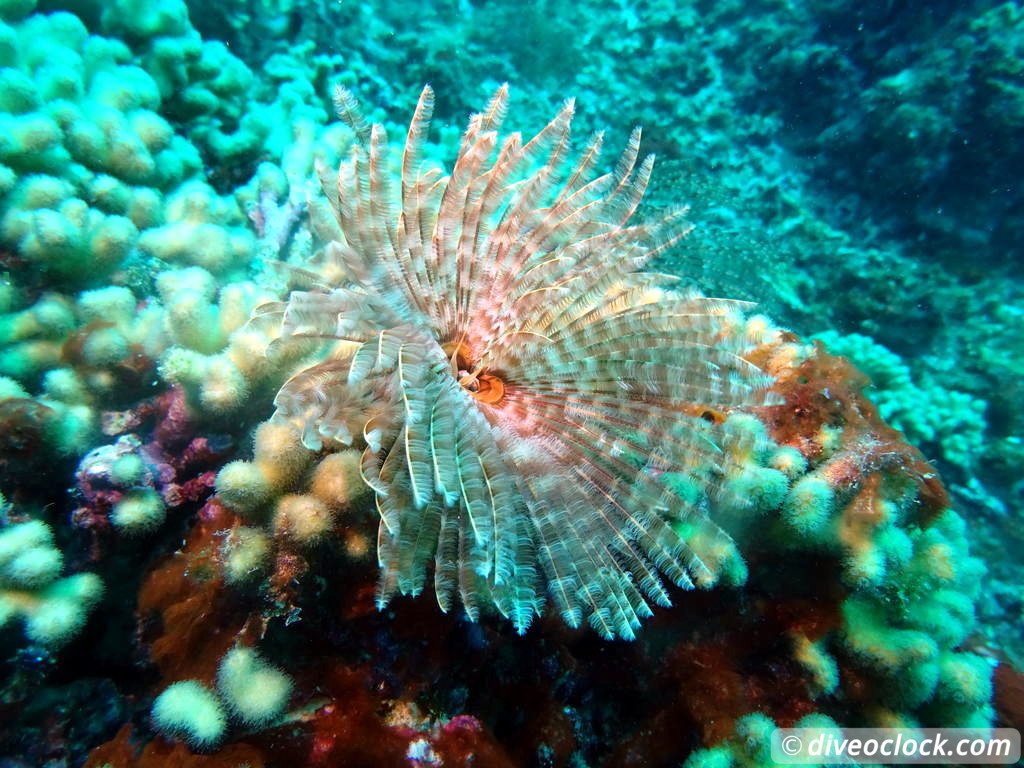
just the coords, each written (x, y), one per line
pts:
(320, 449)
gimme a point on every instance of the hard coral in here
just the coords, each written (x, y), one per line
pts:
(519, 386)
(189, 709)
(827, 417)
(798, 642)
(51, 609)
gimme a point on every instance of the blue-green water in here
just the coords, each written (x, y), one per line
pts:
(853, 170)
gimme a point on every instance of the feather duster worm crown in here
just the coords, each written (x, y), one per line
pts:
(520, 389)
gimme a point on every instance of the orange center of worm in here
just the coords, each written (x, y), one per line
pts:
(485, 387)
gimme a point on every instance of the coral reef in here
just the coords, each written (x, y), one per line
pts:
(932, 417)
(870, 649)
(188, 579)
(813, 479)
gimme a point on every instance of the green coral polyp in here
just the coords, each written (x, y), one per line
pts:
(255, 692)
(818, 662)
(190, 710)
(51, 609)
(809, 505)
(138, 511)
(759, 488)
(886, 648)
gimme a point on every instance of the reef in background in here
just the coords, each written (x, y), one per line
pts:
(150, 179)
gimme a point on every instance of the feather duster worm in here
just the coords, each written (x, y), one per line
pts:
(521, 389)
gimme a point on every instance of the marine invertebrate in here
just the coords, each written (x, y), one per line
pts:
(190, 709)
(52, 609)
(139, 511)
(255, 692)
(521, 389)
